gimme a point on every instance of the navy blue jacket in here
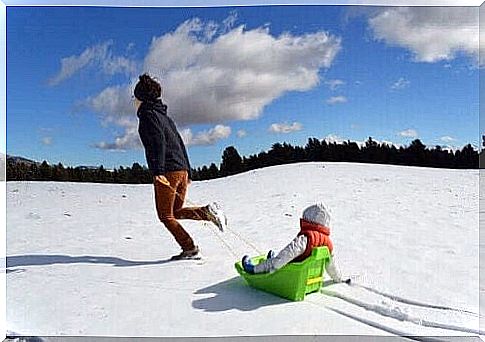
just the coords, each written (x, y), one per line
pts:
(164, 149)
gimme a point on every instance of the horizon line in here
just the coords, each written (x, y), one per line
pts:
(360, 144)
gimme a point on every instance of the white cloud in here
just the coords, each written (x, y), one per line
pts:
(114, 104)
(447, 139)
(333, 138)
(213, 73)
(336, 99)
(99, 55)
(229, 22)
(117, 64)
(241, 133)
(455, 148)
(46, 129)
(401, 83)
(47, 140)
(234, 75)
(388, 143)
(117, 108)
(128, 140)
(130, 46)
(431, 33)
(409, 133)
(285, 128)
(208, 137)
(117, 100)
(334, 84)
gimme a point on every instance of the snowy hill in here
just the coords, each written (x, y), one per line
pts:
(90, 259)
(17, 159)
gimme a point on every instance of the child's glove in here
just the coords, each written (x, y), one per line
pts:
(247, 264)
(271, 254)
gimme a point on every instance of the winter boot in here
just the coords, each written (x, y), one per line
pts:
(188, 254)
(247, 264)
(216, 216)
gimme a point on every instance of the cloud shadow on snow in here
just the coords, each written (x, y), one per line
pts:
(43, 260)
(234, 293)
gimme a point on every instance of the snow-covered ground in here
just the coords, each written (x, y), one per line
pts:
(90, 259)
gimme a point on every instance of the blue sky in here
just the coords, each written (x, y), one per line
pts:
(289, 73)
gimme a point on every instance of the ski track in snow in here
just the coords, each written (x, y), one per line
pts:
(383, 327)
(90, 259)
(396, 312)
(413, 302)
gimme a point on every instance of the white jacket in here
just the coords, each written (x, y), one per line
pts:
(294, 249)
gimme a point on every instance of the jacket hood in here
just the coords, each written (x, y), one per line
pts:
(156, 105)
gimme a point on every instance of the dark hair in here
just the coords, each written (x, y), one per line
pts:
(147, 89)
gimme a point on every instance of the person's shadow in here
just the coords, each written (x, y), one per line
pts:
(234, 293)
(52, 259)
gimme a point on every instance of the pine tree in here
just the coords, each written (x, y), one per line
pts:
(213, 172)
(136, 174)
(45, 172)
(417, 153)
(231, 162)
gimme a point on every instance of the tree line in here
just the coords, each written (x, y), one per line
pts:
(416, 154)
(21, 171)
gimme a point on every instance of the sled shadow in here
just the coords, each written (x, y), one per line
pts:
(234, 294)
(53, 259)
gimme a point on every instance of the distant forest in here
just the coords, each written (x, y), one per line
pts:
(416, 154)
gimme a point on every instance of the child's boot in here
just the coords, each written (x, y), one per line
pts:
(247, 264)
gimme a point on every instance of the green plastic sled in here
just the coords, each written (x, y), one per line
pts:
(294, 280)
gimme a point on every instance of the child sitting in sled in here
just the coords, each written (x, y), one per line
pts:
(314, 232)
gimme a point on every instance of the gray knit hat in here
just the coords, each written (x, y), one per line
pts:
(318, 214)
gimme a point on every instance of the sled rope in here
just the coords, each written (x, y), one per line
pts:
(189, 202)
(229, 230)
(224, 243)
(245, 240)
(232, 231)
